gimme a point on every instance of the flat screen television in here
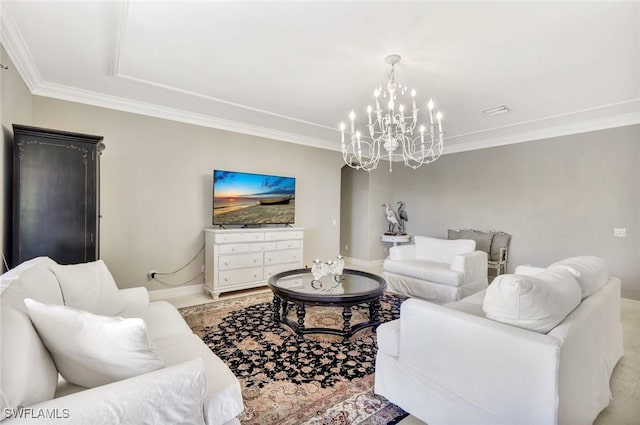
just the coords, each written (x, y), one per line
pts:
(252, 199)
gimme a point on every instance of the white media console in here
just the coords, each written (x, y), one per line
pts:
(247, 258)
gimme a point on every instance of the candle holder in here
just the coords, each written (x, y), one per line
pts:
(321, 269)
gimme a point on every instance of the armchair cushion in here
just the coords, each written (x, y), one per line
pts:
(537, 303)
(441, 250)
(426, 270)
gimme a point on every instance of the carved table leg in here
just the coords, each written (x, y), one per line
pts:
(374, 312)
(346, 316)
(300, 312)
(276, 308)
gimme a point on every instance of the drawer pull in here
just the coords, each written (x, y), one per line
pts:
(226, 279)
(233, 249)
(226, 263)
(255, 275)
(255, 260)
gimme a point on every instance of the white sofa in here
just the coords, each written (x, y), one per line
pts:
(29, 377)
(436, 270)
(452, 365)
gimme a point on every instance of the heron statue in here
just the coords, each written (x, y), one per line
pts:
(402, 215)
(392, 218)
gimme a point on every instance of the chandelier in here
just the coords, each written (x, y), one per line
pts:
(392, 132)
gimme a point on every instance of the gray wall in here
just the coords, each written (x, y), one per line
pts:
(156, 184)
(15, 107)
(354, 214)
(558, 197)
(362, 215)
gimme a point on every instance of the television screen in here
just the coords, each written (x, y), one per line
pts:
(245, 198)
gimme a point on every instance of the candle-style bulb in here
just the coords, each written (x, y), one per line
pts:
(352, 115)
(342, 126)
(430, 104)
(401, 108)
(422, 129)
(369, 109)
(439, 116)
(413, 93)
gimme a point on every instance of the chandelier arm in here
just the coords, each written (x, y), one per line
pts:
(394, 132)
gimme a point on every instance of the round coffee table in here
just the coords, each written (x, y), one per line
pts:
(353, 287)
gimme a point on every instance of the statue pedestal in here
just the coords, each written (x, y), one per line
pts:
(395, 239)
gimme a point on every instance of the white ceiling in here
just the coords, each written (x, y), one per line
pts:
(293, 70)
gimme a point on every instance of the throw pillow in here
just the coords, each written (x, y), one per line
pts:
(591, 273)
(537, 303)
(89, 287)
(91, 350)
(483, 239)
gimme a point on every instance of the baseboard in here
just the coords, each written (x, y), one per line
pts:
(363, 263)
(180, 291)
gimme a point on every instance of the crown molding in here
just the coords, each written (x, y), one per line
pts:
(584, 126)
(619, 115)
(88, 97)
(17, 49)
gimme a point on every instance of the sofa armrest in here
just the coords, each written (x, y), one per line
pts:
(472, 264)
(135, 298)
(402, 252)
(505, 370)
(170, 395)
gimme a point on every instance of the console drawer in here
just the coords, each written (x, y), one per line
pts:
(263, 246)
(239, 237)
(227, 262)
(234, 248)
(289, 244)
(286, 256)
(277, 268)
(284, 235)
(234, 277)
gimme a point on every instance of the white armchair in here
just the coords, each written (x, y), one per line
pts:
(436, 270)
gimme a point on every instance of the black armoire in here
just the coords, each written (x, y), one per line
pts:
(56, 183)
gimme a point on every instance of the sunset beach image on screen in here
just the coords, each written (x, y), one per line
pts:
(247, 198)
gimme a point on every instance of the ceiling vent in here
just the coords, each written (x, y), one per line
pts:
(502, 109)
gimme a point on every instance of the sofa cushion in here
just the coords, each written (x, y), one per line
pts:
(441, 250)
(42, 284)
(529, 270)
(591, 272)
(89, 287)
(91, 350)
(470, 305)
(28, 374)
(537, 303)
(162, 319)
(223, 401)
(425, 270)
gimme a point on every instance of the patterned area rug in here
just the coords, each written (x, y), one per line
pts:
(323, 380)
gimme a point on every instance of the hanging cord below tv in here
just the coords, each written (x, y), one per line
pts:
(154, 275)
